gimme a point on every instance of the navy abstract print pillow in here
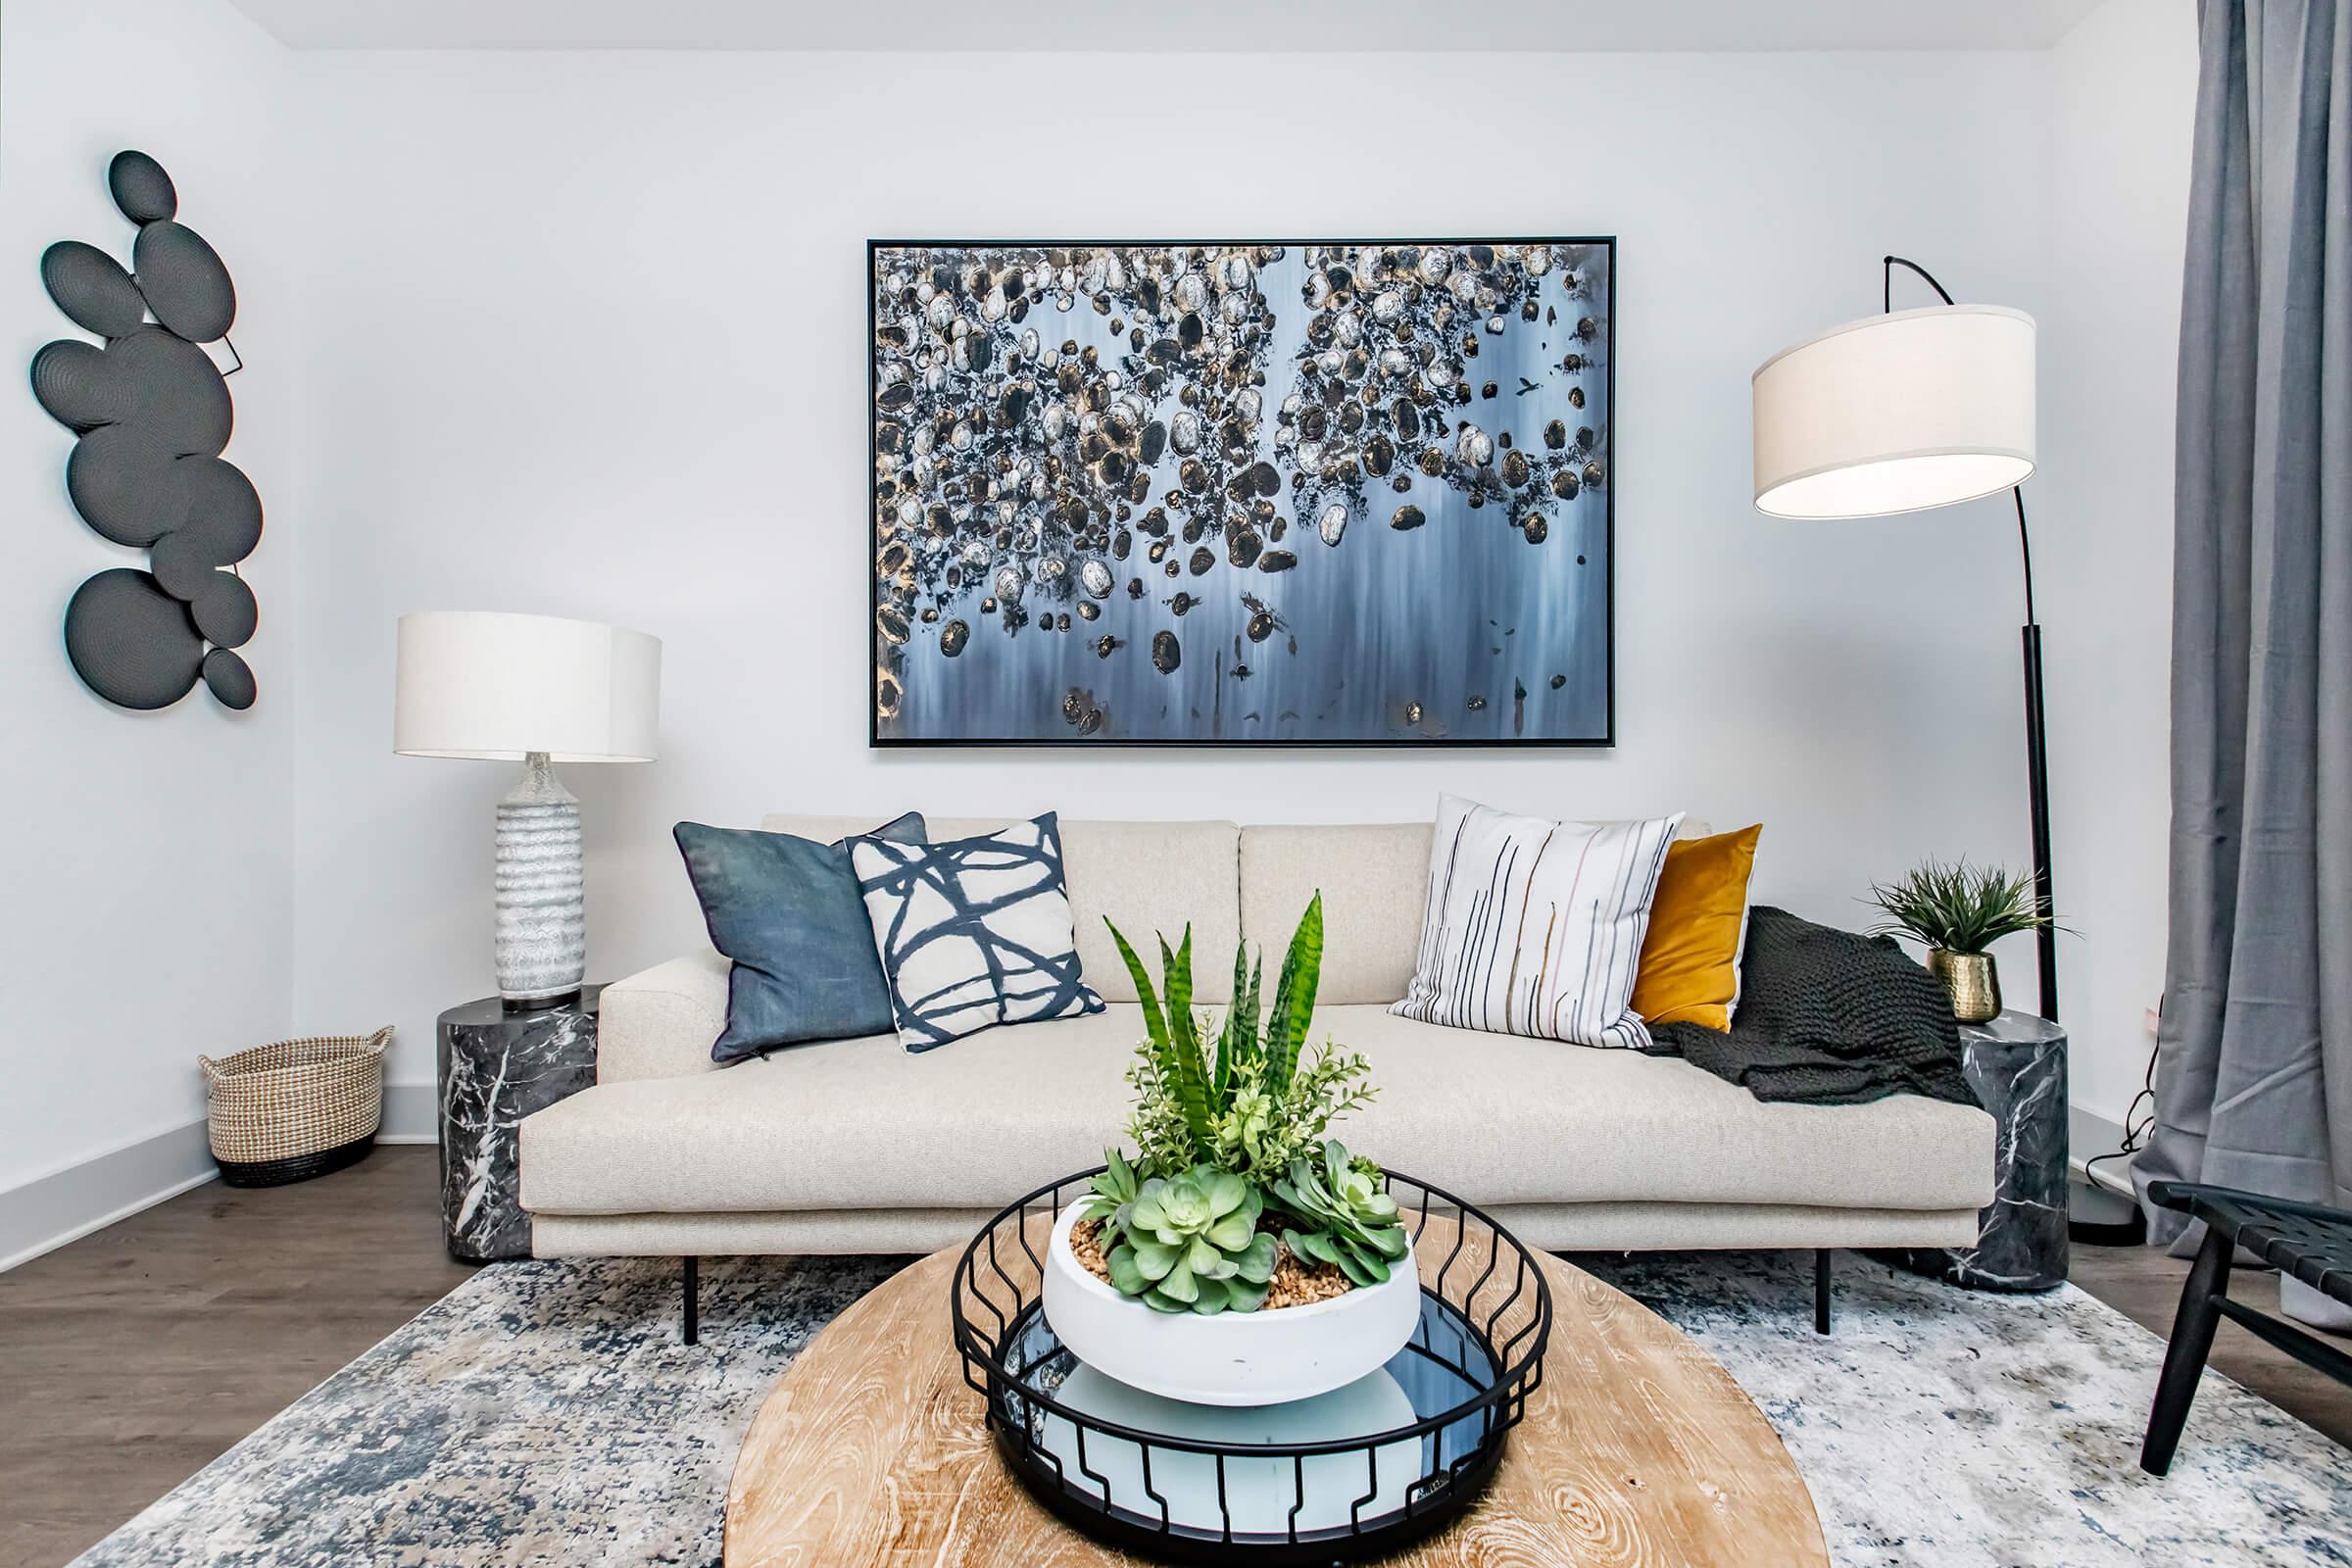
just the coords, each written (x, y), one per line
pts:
(972, 933)
(786, 909)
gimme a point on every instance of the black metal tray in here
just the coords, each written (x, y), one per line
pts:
(1459, 1386)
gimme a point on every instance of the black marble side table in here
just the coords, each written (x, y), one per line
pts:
(2017, 1065)
(496, 1066)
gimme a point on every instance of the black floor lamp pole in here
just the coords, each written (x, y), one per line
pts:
(2037, 751)
(2037, 781)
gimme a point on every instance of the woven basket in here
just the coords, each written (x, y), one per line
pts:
(298, 1108)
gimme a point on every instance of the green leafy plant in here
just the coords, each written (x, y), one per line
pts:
(1247, 1097)
(1113, 1194)
(1959, 907)
(1229, 1127)
(1341, 1214)
(1188, 1243)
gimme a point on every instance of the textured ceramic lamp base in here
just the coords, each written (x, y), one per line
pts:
(542, 932)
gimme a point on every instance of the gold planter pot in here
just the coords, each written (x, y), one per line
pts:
(1973, 981)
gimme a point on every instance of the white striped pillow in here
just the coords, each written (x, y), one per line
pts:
(1535, 927)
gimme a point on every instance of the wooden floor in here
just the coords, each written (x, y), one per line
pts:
(131, 1357)
(135, 1357)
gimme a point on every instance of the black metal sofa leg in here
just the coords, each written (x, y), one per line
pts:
(692, 1275)
(1821, 1290)
(2193, 1324)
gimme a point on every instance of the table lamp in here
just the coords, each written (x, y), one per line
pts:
(1905, 410)
(537, 690)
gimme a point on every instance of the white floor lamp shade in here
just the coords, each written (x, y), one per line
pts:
(539, 690)
(1897, 413)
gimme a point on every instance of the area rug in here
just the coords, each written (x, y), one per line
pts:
(546, 1413)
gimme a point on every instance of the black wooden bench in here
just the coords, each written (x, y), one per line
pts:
(2309, 1240)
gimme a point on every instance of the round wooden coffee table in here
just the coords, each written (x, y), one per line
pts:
(1637, 1450)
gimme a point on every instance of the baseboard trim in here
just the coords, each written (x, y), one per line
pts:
(65, 1206)
(2091, 1135)
(45, 1213)
(412, 1114)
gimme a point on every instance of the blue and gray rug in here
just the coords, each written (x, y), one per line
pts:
(545, 1413)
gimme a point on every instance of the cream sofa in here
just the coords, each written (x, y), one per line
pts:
(857, 1146)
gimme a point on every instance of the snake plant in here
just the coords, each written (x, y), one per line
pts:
(1243, 1097)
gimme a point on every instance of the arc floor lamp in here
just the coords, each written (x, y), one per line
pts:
(1905, 410)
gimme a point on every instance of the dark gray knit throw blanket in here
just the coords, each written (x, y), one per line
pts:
(1828, 1017)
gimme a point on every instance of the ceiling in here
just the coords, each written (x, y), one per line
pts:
(1165, 26)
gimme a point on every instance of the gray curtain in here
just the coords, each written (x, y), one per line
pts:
(2254, 1076)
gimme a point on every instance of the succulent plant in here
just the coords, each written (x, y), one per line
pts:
(1190, 1242)
(1229, 1123)
(1111, 1195)
(1342, 1214)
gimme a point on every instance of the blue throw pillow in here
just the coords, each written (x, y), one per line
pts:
(787, 910)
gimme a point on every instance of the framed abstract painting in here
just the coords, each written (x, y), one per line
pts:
(1242, 492)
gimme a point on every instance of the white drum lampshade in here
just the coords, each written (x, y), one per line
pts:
(486, 684)
(538, 690)
(1897, 413)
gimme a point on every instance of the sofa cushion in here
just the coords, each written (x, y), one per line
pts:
(660, 1022)
(1374, 878)
(1147, 877)
(1534, 927)
(1496, 1118)
(787, 910)
(974, 933)
(1697, 930)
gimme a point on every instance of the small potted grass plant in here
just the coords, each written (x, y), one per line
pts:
(1958, 912)
(1242, 1256)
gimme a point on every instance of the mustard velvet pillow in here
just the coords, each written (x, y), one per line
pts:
(1689, 969)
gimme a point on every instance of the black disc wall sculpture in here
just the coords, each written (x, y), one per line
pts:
(150, 413)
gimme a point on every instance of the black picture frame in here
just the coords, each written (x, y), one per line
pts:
(1605, 740)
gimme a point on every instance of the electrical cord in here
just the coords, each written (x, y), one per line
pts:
(2139, 1121)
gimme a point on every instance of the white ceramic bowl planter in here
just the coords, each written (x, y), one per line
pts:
(1261, 1357)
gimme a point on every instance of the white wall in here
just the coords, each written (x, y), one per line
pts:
(583, 335)
(149, 912)
(591, 342)
(2123, 106)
